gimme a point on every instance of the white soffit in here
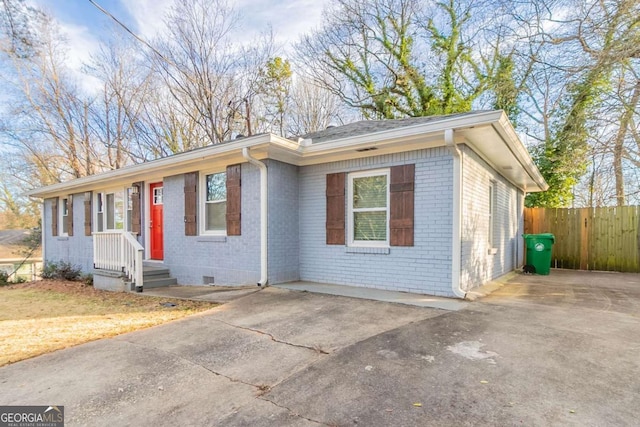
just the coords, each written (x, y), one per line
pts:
(488, 144)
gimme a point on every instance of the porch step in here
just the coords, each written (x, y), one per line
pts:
(152, 272)
(159, 283)
(157, 277)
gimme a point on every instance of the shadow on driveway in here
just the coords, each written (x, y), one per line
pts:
(556, 350)
(603, 291)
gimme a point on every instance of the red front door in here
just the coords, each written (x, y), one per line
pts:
(155, 224)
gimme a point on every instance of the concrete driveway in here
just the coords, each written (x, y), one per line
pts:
(555, 350)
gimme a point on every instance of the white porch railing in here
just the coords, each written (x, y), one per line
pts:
(119, 251)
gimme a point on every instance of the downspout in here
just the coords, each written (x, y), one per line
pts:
(43, 231)
(456, 234)
(263, 214)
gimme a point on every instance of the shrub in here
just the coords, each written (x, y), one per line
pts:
(87, 279)
(4, 278)
(61, 270)
(49, 270)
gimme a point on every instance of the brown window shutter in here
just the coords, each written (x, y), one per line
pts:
(234, 211)
(136, 217)
(54, 216)
(87, 213)
(336, 208)
(401, 192)
(190, 203)
(70, 215)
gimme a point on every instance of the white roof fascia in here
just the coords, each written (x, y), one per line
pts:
(511, 139)
(149, 167)
(392, 135)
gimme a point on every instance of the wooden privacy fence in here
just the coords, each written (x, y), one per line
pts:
(606, 239)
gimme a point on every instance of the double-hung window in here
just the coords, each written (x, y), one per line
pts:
(368, 208)
(100, 211)
(113, 210)
(129, 209)
(214, 208)
(64, 221)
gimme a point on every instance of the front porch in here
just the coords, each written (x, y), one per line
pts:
(118, 261)
(153, 277)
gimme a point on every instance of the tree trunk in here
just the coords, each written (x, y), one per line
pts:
(618, 148)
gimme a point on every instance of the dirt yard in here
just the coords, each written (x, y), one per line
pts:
(48, 315)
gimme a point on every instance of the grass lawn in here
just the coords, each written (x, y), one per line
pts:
(48, 315)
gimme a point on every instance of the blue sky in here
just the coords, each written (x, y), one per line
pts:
(85, 25)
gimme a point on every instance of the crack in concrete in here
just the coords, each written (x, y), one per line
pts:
(194, 363)
(274, 339)
(260, 388)
(292, 412)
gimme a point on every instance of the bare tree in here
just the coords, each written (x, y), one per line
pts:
(50, 117)
(574, 49)
(211, 79)
(117, 114)
(629, 97)
(313, 108)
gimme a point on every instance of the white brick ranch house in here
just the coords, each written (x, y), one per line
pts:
(430, 205)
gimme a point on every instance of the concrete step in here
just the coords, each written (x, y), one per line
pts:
(159, 282)
(155, 271)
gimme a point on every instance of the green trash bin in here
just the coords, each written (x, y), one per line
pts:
(539, 252)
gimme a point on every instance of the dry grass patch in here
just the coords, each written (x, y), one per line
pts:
(40, 317)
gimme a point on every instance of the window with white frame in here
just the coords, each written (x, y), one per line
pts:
(129, 208)
(368, 208)
(64, 214)
(113, 210)
(100, 212)
(157, 195)
(213, 210)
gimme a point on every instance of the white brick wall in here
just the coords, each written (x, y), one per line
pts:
(231, 260)
(423, 268)
(284, 247)
(478, 265)
(76, 249)
(297, 249)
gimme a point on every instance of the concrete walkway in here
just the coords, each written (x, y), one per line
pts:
(418, 300)
(224, 294)
(209, 293)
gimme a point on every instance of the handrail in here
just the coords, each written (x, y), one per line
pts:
(132, 252)
(119, 251)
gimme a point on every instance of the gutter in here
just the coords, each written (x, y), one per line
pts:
(142, 171)
(510, 137)
(263, 214)
(456, 242)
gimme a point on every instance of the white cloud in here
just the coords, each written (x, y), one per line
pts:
(148, 15)
(81, 41)
(289, 20)
(82, 44)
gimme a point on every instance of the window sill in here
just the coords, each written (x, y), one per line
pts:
(365, 250)
(62, 238)
(212, 239)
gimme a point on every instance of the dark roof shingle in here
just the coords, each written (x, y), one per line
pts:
(372, 126)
